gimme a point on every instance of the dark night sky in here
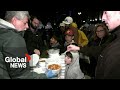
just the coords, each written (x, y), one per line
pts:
(58, 14)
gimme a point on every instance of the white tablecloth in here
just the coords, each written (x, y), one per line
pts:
(60, 59)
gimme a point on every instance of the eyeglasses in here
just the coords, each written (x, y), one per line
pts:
(100, 31)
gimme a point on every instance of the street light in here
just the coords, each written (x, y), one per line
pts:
(79, 13)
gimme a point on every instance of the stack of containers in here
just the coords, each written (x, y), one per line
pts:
(62, 72)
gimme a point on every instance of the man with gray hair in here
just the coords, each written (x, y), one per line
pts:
(13, 63)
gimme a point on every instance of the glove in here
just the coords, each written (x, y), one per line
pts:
(50, 74)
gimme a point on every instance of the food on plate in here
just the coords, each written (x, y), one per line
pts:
(42, 61)
(54, 66)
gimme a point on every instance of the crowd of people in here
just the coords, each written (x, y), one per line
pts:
(21, 34)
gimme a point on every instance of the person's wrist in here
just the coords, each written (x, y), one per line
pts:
(78, 48)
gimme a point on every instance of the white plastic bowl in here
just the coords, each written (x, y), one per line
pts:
(42, 62)
(56, 71)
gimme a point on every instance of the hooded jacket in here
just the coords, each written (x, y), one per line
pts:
(12, 44)
(73, 70)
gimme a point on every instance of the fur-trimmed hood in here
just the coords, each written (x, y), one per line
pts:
(5, 24)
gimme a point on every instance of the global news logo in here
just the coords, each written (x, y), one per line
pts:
(18, 62)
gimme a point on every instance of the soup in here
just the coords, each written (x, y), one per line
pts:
(54, 66)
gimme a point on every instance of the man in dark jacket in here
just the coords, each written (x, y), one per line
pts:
(33, 37)
(109, 61)
(13, 48)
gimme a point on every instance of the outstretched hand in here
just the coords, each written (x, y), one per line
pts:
(73, 48)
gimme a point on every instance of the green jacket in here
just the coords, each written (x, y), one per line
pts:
(12, 44)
